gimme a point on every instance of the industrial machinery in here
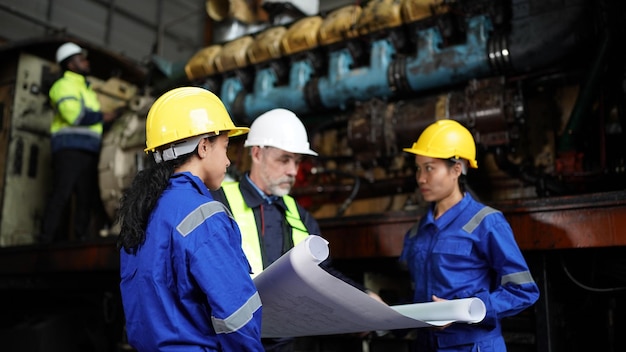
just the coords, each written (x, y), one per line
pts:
(540, 84)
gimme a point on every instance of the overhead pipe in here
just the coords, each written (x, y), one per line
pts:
(266, 95)
(483, 53)
(345, 83)
(541, 38)
(436, 66)
(266, 92)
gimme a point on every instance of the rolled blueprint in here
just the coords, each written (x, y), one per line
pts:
(301, 299)
(469, 310)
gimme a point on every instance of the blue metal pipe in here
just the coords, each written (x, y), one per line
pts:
(344, 84)
(266, 95)
(230, 89)
(433, 66)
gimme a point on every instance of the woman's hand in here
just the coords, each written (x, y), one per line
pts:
(437, 299)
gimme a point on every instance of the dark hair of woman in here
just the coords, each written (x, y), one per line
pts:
(140, 198)
(463, 185)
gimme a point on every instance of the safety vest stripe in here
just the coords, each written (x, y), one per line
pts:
(239, 318)
(244, 216)
(247, 225)
(298, 231)
(473, 223)
(81, 112)
(199, 216)
(519, 278)
(67, 98)
(87, 131)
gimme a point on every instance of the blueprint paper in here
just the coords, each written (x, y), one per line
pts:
(302, 299)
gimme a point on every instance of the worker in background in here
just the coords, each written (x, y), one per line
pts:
(76, 136)
(461, 248)
(271, 221)
(185, 281)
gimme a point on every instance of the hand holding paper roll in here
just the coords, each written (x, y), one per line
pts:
(301, 299)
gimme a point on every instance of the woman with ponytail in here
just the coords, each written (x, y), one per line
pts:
(185, 281)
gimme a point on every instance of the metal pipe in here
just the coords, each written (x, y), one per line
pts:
(582, 107)
(109, 22)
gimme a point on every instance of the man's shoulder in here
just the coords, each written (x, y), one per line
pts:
(219, 195)
(63, 85)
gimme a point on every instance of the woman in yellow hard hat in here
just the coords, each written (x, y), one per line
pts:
(185, 281)
(461, 248)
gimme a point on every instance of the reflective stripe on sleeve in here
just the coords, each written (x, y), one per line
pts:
(413, 230)
(477, 218)
(78, 130)
(522, 277)
(199, 215)
(239, 318)
(81, 112)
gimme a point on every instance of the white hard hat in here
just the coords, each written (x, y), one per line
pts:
(279, 128)
(68, 49)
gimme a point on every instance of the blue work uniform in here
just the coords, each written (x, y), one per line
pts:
(188, 287)
(469, 251)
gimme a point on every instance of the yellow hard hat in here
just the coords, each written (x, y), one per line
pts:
(186, 112)
(446, 139)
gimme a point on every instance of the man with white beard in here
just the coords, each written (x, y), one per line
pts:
(270, 220)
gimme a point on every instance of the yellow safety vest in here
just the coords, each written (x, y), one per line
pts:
(244, 216)
(76, 97)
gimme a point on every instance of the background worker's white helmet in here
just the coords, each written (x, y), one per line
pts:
(282, 129)
(68, 49)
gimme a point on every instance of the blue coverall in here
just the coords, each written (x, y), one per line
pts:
(188, 287)
(469, 251)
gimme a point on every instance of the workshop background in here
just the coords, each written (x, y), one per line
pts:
(539, 83)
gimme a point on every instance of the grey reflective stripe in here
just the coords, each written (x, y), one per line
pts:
(64, 99)
(199, 215)
(81, 113)
(238, 319)
(519, 278)
(413, 230)
(83, 109)
(523, 277)
(477, 218)
(86, 131)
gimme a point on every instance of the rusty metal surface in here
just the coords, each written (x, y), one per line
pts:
(100, 255)
(594, 220)
(367, 236)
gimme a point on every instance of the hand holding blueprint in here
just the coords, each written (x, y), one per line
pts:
(301, 299)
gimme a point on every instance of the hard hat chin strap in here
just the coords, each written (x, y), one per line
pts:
(463, 163)
(182, 148)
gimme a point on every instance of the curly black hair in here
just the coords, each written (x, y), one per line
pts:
(140, 198)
